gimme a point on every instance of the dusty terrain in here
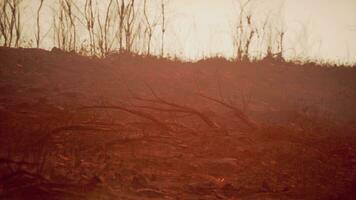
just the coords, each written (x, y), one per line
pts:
(134, 127)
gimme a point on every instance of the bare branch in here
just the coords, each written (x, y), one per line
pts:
(38, 24)
(134, 112)
(238, 113)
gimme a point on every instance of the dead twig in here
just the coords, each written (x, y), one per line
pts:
(46, 137)
(8, 161)
(237, 112)
(183, 109)
(134, 112)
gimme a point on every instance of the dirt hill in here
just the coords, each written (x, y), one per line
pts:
(140, 127)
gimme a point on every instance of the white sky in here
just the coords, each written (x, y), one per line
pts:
(199, 28)
(206, 26)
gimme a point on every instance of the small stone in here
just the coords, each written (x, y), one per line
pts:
(265, 187)
(206, 188)
(229, 190)
(150, 193)
(139, 181)
(225, 165)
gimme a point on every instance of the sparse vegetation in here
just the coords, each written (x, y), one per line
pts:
(10, 23)
(268, 36)
(135, 124)
(65, 31)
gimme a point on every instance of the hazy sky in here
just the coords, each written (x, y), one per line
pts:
(323, 29)
(330, 25)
